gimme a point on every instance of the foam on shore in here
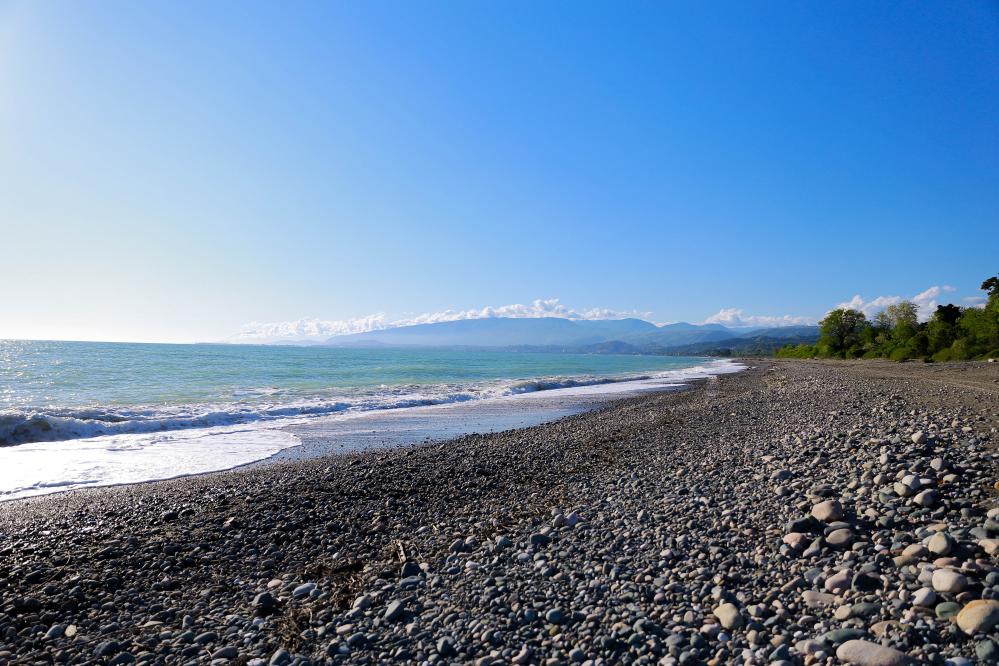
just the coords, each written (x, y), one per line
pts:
(19, 427)
(150, 453)
(46, 467)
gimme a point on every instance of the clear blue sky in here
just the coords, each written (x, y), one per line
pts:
(173, 170)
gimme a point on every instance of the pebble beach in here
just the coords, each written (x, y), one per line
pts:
(794, 513)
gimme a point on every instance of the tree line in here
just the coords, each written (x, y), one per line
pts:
(952, 333)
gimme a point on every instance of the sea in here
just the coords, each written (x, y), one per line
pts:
(83, 414)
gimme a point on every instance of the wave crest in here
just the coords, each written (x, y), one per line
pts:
(50, 425)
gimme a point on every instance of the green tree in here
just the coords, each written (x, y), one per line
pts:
(841, 333)
(904, 318)
(991, 286)
(942, 331)
(951, 334)
(947, 314)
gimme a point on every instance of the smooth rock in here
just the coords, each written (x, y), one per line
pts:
(828, 511)
(839, 581)
(728, 616)
(303, 590)
(394, 610)
(949, 581)
(940, 544)
(866, 653)
(947, 609)
(925, 597)
(979, 616)
(926, 498)
(840, 538)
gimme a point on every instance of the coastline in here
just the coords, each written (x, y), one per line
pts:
(655, 527)
(41, 468)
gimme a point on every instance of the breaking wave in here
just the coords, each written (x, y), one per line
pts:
(59, 424)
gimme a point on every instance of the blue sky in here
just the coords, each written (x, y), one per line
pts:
(173, 171)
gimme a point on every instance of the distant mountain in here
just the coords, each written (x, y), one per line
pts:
(760, 343)
(605, 336)
(492, 332)
(672, 335)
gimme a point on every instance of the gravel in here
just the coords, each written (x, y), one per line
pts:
(797, 512)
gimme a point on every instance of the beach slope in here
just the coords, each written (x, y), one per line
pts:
(791, 512)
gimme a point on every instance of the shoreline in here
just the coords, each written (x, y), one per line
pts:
(668, 527)
(70, 465)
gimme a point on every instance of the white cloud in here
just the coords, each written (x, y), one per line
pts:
(926, 300)
(736, 317)
(304, 330)
(547, 307)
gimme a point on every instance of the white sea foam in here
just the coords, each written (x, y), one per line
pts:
(19, 427)
(651, 382)
(99, 447)
(45, 467)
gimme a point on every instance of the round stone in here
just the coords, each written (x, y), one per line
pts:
(925, 597)
(728, 616)
(979, 616)
(866, 653)
(947, 610)
(940, 544)
(828, 511)
(840, 538)
(949, 581)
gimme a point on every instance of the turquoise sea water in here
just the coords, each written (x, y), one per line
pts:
(53, 391)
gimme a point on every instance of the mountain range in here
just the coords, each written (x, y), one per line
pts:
(608, 336)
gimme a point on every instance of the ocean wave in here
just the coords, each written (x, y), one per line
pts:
(551, 384)
(52, 425)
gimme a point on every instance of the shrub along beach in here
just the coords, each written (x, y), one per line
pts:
(797, 512)
(952, 333)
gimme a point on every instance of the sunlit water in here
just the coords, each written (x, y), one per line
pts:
(76, 414)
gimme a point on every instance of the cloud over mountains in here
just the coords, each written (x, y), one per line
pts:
(736, 318)
(321, 329)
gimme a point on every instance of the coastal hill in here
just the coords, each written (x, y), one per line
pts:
(629, 336)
